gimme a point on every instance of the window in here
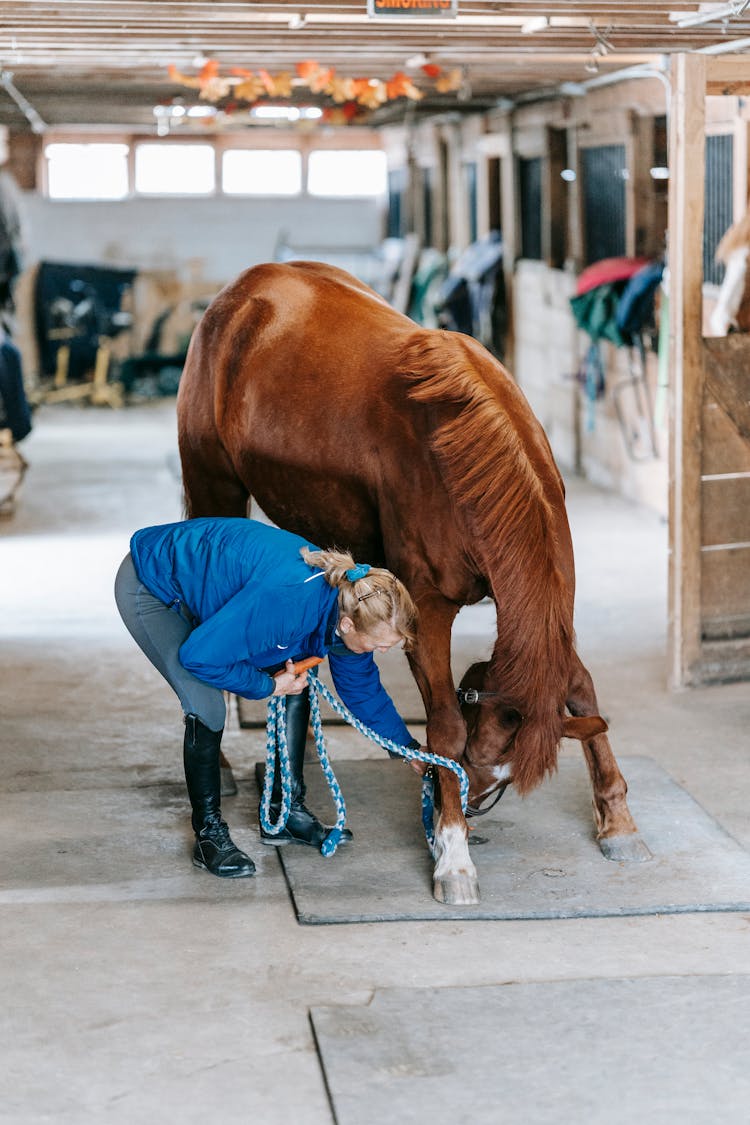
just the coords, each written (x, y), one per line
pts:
(530, 176)
(173, 169)
(347, 172)
(249, 171)
(427, 176)
(87, 171)
(604, 175)
(719, 205)
(470, 193)
(397, 185)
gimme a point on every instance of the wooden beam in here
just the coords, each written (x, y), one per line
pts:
(727, 74)
(686, 203)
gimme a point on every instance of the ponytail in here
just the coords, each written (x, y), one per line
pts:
(370, 596)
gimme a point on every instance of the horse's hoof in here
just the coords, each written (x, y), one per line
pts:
(228, 784)
(456, 890)
(624, 849)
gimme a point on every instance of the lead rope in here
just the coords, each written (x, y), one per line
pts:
(276, 751)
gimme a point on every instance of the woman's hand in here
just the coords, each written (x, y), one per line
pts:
(420, 767)
(288, 683)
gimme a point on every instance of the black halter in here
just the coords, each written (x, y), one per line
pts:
(471, 695)
(470, 811)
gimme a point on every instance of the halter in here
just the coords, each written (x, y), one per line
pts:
(471, 695)
(471, 811)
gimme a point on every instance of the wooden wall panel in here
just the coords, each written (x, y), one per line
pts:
(723, 450)
(725, 593)
(725, 511)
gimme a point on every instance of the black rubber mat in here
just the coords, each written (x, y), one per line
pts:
(540, 859)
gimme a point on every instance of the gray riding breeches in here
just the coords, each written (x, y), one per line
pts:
(160, 631)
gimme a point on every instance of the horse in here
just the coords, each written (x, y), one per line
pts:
(415, 449)
(732, 308)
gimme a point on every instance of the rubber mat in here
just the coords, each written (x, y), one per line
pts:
(654, 1050)
(540, 858)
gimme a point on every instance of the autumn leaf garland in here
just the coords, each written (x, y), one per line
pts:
(243, 85)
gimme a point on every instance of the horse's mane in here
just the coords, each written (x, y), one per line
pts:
(488, 471)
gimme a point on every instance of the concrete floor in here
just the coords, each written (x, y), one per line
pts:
(137, 989)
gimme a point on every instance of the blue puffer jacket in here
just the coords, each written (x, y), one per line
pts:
(256, 604)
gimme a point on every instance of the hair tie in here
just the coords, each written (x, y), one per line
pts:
(358, 571)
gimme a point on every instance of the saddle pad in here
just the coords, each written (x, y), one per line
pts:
(540, 859)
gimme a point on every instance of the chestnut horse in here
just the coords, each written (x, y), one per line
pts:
(352, 426)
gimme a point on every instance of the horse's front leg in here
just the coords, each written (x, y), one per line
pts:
(454, 877)
(616, 830)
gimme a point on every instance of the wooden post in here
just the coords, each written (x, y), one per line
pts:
(686, 203)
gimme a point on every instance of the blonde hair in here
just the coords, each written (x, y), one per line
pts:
(378, 598)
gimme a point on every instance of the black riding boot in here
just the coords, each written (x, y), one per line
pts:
(301, 827)
(214, 849)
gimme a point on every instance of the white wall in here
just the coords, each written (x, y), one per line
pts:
(225, 234)
(549, 349)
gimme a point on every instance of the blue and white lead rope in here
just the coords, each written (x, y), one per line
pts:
(276, 739)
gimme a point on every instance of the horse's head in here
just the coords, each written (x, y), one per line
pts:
(491, 730)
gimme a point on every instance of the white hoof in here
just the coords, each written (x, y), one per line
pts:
(457, 890)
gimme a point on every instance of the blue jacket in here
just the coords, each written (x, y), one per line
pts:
(256, 604)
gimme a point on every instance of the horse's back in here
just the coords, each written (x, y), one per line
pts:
(296, 298)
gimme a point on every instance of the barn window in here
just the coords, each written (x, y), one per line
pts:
(719, 205)
(604, 175)
(398, 181)
(87, 171)
(174, 169)
(530, 177)
(428, 186)
(470, 192)
(250, 171)
(347, 172)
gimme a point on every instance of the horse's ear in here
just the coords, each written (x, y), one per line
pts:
(473, 677)
(583, 727)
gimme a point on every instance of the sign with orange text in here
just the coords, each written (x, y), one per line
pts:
(440, 9)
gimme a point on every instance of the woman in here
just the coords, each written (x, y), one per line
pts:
(231, 605)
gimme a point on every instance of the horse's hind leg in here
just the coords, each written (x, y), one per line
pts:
(210, 485)
(616, 830)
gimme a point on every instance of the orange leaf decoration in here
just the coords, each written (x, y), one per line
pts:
(350, 111)
(240, 72)
(209, 70)
(449, 82)
(307, 68)
(267, 81)
(432, 70)
(341, 89)
(320, 80)
(183, 79)
(282, 85)
(249, 90)
(215, 89)
(373, 95)
(401, 86)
